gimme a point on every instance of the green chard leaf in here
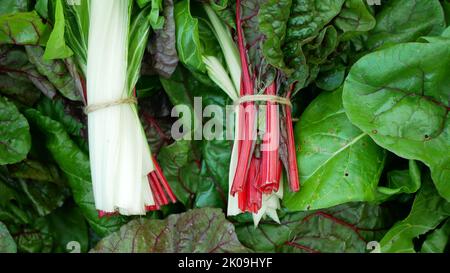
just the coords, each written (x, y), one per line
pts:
(56, 72)
(273, 16)
(69, 35)
(399, 96)
(216, 155)
(75, 165)
(13, 6)
(162, 46)
(189, 48)
(156, 21)
(338, 163)
(15, 64)
(12, 203)
(57, 110)
(7, 244)
(41, 7)
(403, 181)
(77, 30)
(42, 185)
(56, 47)
(318, 50)
(67, 225)
(354, 18)
(428, 210)
(331, 77)
(446, 7)
(345, 228)
(437, 240)
(15, 138)
(182, 88)
(405, 21)
(23, 28)
(138, 40)
(22, 91)
(188, 180)
(34, 238)
(309, 17)
(307, 20)
(199, 230)
(142, 3)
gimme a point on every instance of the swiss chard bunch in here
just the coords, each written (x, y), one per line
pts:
(263, 143)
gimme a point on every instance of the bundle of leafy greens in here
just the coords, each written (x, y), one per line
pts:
(370, 109)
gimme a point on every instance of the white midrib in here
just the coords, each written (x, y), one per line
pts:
(356, 139)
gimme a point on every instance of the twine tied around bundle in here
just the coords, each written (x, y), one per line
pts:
(95, 107)
(261, 97)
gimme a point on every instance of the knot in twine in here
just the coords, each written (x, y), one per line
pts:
(95, 107)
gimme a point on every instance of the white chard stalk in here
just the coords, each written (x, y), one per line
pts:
(119, 153)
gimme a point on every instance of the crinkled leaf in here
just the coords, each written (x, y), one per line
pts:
(15, 138)
(23, 28)
(318, 50)
(163, 44)
(399, 96)
(428, 210)
(306, 21)
(345, 228)
(309, 17)
(75, 165)
(405, 21)
(200, 230)
(338, 163)
(7, 244)
(56, 47)
(273, 16)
